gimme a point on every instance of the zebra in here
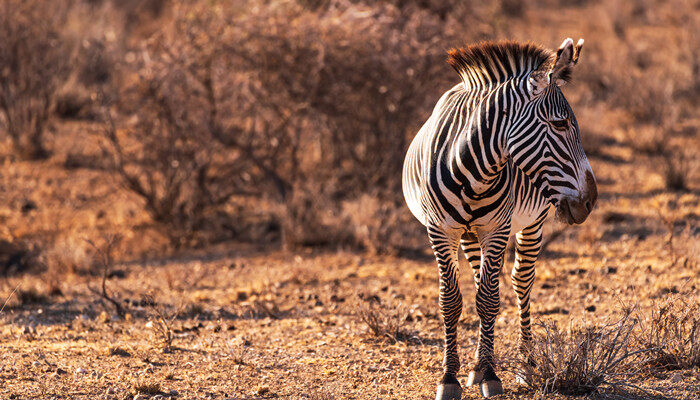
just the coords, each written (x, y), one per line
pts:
(499, 150)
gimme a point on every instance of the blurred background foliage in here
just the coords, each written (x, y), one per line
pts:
(287, 121)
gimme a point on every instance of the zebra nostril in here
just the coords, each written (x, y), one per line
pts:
(589, 206)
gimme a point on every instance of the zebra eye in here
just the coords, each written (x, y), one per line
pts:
(560, 124)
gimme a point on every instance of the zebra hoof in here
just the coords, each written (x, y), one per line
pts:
(449, 391)
(491, 388)
(475, 378)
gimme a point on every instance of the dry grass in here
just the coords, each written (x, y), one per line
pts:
(238, 351)
(384, 322)
(150, 388)
(161, 320)
(671, 330)
(583, 359)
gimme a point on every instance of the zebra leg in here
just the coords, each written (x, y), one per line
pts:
(527, 247)
(445, 246)
(487, 306)
(472, 251)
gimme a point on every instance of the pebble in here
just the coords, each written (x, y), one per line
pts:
(36, 363)
(174, 393)
(149, 324)
(81, 371)
(140, 396)
(677, 377)
(110, 390)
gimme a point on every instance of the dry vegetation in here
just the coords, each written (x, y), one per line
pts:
(202, 199)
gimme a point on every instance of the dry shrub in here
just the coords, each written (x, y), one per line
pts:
(162, 318)
(223, 107)
(376, 222)
(384, 322)
(672, 331)
(150, 388)
(581, 360)
(676, 169)
(30, 296)
(17, 256)
(681, 245)
(34, 62)
(238, 351)
(69, 255)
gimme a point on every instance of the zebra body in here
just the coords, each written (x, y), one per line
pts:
(499, 150)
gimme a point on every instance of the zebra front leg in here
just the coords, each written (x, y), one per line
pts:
(527, 247)
(487, 306)
(445, 247)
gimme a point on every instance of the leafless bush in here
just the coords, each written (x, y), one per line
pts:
(582, 360)
(681, 246)
(105, 256)
(672, 331)
(34, 62)
(161, 319)
(238, 352)
(376, 223)
(147, 387)
(167, 156)
(69, 255)
(384, 322)
(245, 111)
(676, 169)
(17, 255)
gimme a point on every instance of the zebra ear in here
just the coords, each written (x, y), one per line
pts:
(567, 57)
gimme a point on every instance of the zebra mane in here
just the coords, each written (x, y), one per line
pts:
(496, 62)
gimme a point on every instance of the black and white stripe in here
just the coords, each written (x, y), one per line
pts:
(500, 148)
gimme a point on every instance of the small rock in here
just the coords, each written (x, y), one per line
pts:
(110, 390)
(174, 393)
(158, 397)
(262, 390)
(140, 396)
(149, 324)
(103, 317)
(28, 205)
(336, 299)
(81, 371)
(36, 363)
(677, 377)
(578, 271)
(590, 308)
(610, 270)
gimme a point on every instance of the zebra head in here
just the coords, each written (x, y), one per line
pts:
(544, 140)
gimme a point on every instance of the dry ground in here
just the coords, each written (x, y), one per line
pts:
(258, 322)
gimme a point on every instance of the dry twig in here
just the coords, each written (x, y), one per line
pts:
(105, 257)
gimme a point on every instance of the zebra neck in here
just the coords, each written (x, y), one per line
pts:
(478, 163)
(480, 151)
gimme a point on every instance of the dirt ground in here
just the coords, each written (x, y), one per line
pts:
(257, 322)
